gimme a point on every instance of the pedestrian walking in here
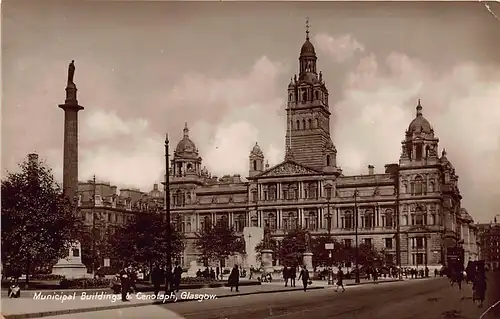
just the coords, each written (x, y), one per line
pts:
(157, 278)
(217, 272)
(479, 286)
(286, 275)
(176, 277)
(14, 289)
(168, 280)
(304, 274)
(292, 275)
(234, 278)
(125, 284)
(340, 280)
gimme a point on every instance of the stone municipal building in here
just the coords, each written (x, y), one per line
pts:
(308, 188)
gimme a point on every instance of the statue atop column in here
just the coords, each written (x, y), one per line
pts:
(71, 73)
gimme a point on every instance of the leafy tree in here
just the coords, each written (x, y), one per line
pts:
(102, 247)
(367, 255)
(218, 242)
(143, 240)
(38, 221)
(321, 256)
(292, 247)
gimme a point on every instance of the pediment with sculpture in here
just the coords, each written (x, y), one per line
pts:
(288, 168)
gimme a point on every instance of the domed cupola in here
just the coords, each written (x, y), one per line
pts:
(420, 145)
(307, 60)
(256, 151)
(419, 125)
(307, 49)
(186, 147)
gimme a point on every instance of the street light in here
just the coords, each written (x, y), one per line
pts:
(167, 213)
(356, 234)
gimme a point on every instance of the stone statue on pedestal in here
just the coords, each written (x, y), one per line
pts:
(71, 72)
(307, 240)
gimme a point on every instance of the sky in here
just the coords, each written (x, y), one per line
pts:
(143, 69)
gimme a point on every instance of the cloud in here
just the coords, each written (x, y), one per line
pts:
(102, 125)
(340, 49)
(378, 102)
(227, 116)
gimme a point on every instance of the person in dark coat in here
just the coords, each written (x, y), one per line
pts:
(125, 284)
(217, 273)
(168, 280)
(176, 280)
(304, 274)
(157, 278)
(479, 287)
(234, 278)
(14, 289)
(292, 275)
(286, 275)
(340, 280)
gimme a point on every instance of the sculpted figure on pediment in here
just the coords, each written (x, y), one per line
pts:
(288, 169)
(214, 199)
(376, 192)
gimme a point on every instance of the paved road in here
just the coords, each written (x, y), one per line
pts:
(404, 300)
(419, 299)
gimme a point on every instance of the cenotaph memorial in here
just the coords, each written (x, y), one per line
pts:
(252, 236)
(71, 267)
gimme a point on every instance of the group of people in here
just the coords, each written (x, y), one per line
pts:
(475, 273)
(290, 273)
(126, 279)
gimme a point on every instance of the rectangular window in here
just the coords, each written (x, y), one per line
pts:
(388, 243)
(348, 243)
(368, 241)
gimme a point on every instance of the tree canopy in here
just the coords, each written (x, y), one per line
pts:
(218, 242)
(38, 221)
(143, 240)
(292, 247)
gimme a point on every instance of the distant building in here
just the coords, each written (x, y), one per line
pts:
(489, 241)
(468, 232)
(309, 190)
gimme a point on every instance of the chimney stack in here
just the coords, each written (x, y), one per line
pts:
(371, 169)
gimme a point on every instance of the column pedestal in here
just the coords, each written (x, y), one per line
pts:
(267, 260)
(307, 260)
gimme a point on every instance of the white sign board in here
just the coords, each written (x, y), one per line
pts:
(329, 246)
(106, 262)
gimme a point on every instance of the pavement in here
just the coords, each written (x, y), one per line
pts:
(71, 302)
(410, 299)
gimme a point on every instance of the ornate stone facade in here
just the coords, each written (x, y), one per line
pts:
(308, 189)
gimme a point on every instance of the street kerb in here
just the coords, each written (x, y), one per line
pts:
(131, 305)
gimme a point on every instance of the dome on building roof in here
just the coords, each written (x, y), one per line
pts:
(256, 150)
(307, 49)
(186, 145)
(419, 124)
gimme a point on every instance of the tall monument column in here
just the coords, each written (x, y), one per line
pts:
(71, 266)
(71, 108)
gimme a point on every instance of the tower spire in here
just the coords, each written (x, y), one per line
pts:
(307, 29)
(419, 108)
(186, 130)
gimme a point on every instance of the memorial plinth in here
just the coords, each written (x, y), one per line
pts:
(71, 267)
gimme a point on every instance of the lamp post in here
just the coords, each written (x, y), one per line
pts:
(93, 226)
(167, 212)
(356, 235)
